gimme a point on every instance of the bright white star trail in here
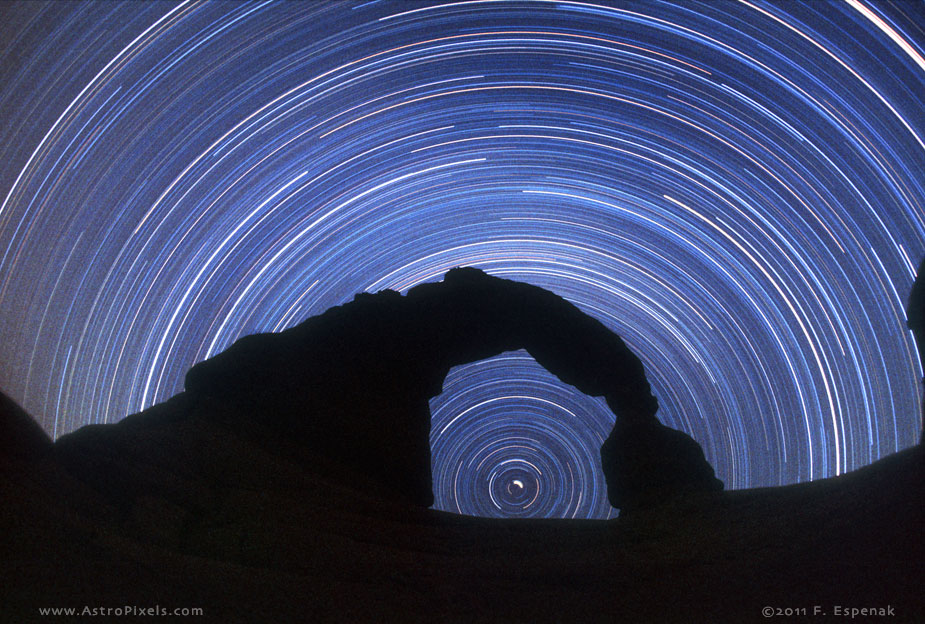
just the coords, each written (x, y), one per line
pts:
(736, 188)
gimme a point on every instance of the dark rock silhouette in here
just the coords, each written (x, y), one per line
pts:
(647, 463)
(215, 523)
(915, 319)
(354, 383)
(915, 309)
(22, 438)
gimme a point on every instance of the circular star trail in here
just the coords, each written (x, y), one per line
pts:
(531, 454)
(736, 188)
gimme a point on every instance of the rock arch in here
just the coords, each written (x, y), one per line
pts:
(354, 383)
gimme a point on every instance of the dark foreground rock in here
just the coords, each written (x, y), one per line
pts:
(915, 319)
(22, 438)
(248, 536)
(647, 463)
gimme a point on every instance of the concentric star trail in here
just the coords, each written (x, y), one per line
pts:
(736, 188)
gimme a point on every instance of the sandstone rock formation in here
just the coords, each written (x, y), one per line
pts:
(354, 383)
(647, 463)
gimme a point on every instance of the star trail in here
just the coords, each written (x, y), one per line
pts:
(736, 188)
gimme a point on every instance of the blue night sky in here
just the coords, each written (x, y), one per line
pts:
(736, 188)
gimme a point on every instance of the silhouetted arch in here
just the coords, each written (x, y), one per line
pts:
(471, 316)
(354, 383)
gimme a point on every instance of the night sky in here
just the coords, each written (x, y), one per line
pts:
(736, 188)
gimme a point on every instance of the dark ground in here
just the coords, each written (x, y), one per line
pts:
(247, 536)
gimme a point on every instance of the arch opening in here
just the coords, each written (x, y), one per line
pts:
(509, 439)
